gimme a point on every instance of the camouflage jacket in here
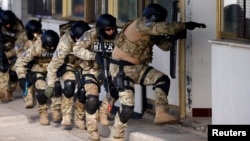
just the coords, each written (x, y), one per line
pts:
(36, 54)
(63, 54)
(87, 47)
(142, 49)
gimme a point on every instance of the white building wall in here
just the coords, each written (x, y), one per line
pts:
(230, 83)
(199, 51)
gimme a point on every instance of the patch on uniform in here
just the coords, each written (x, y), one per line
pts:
(26, 54)
(57, 53)
(18, 46)
(83, 38)
(148, 23)
(108, 46)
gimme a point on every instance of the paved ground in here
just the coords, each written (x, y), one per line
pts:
(18, 123)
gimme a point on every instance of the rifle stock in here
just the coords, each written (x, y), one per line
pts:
(78, 79)
(173, 50)
(81, 93)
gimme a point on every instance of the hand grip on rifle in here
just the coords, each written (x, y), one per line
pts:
(99, 59)
(192, 25)
(80, 87)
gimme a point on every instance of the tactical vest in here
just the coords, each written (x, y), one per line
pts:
(45, 57)
(141, 49)
(108, 47)
(9, 37)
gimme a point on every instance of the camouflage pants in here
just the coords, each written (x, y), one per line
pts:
(126, 97)
(5, 80)
(6, 85)
(67, 105)
(91, 89)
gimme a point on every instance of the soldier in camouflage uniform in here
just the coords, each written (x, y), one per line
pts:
(129, 64)
(33, 29)
(40, 53)
(89, 49)
(65, 62)
(11, 28)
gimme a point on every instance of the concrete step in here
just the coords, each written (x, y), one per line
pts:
(21, 127)
(196, 125)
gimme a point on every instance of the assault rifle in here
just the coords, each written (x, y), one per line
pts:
(173, 51)
(106, 73)
(80, 86)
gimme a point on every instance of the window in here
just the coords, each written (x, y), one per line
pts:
(40, 7)
(88, 10)
(123, 10)
(130, 9)
(63, 9)
(234, 19)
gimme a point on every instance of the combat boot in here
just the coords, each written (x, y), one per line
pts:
(118, 129)
(104, 111)
(56, 108)
(29, 99)
(44, 117)
(67, 107)
(10, 95)
(6, 96)
(92, 126)
(94, 136)
(118, 139)
(162, 117)
(79, 115)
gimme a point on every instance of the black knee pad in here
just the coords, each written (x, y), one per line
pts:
(126, 113)
(57, 89)
(13, 76)
(69, 88)
(41, 97)
(165, 86)
(92, 104)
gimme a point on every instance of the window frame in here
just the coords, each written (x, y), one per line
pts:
(89, 11)
(220, 34)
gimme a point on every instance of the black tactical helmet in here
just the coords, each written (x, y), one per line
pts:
(155, 12)
(104, 21)
(8, 19)
(77, 29)
(50, 40)
(32, 27)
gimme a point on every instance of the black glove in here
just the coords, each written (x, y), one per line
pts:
(181, 35)
(99, 60)
(193, 25)
(23, 82)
